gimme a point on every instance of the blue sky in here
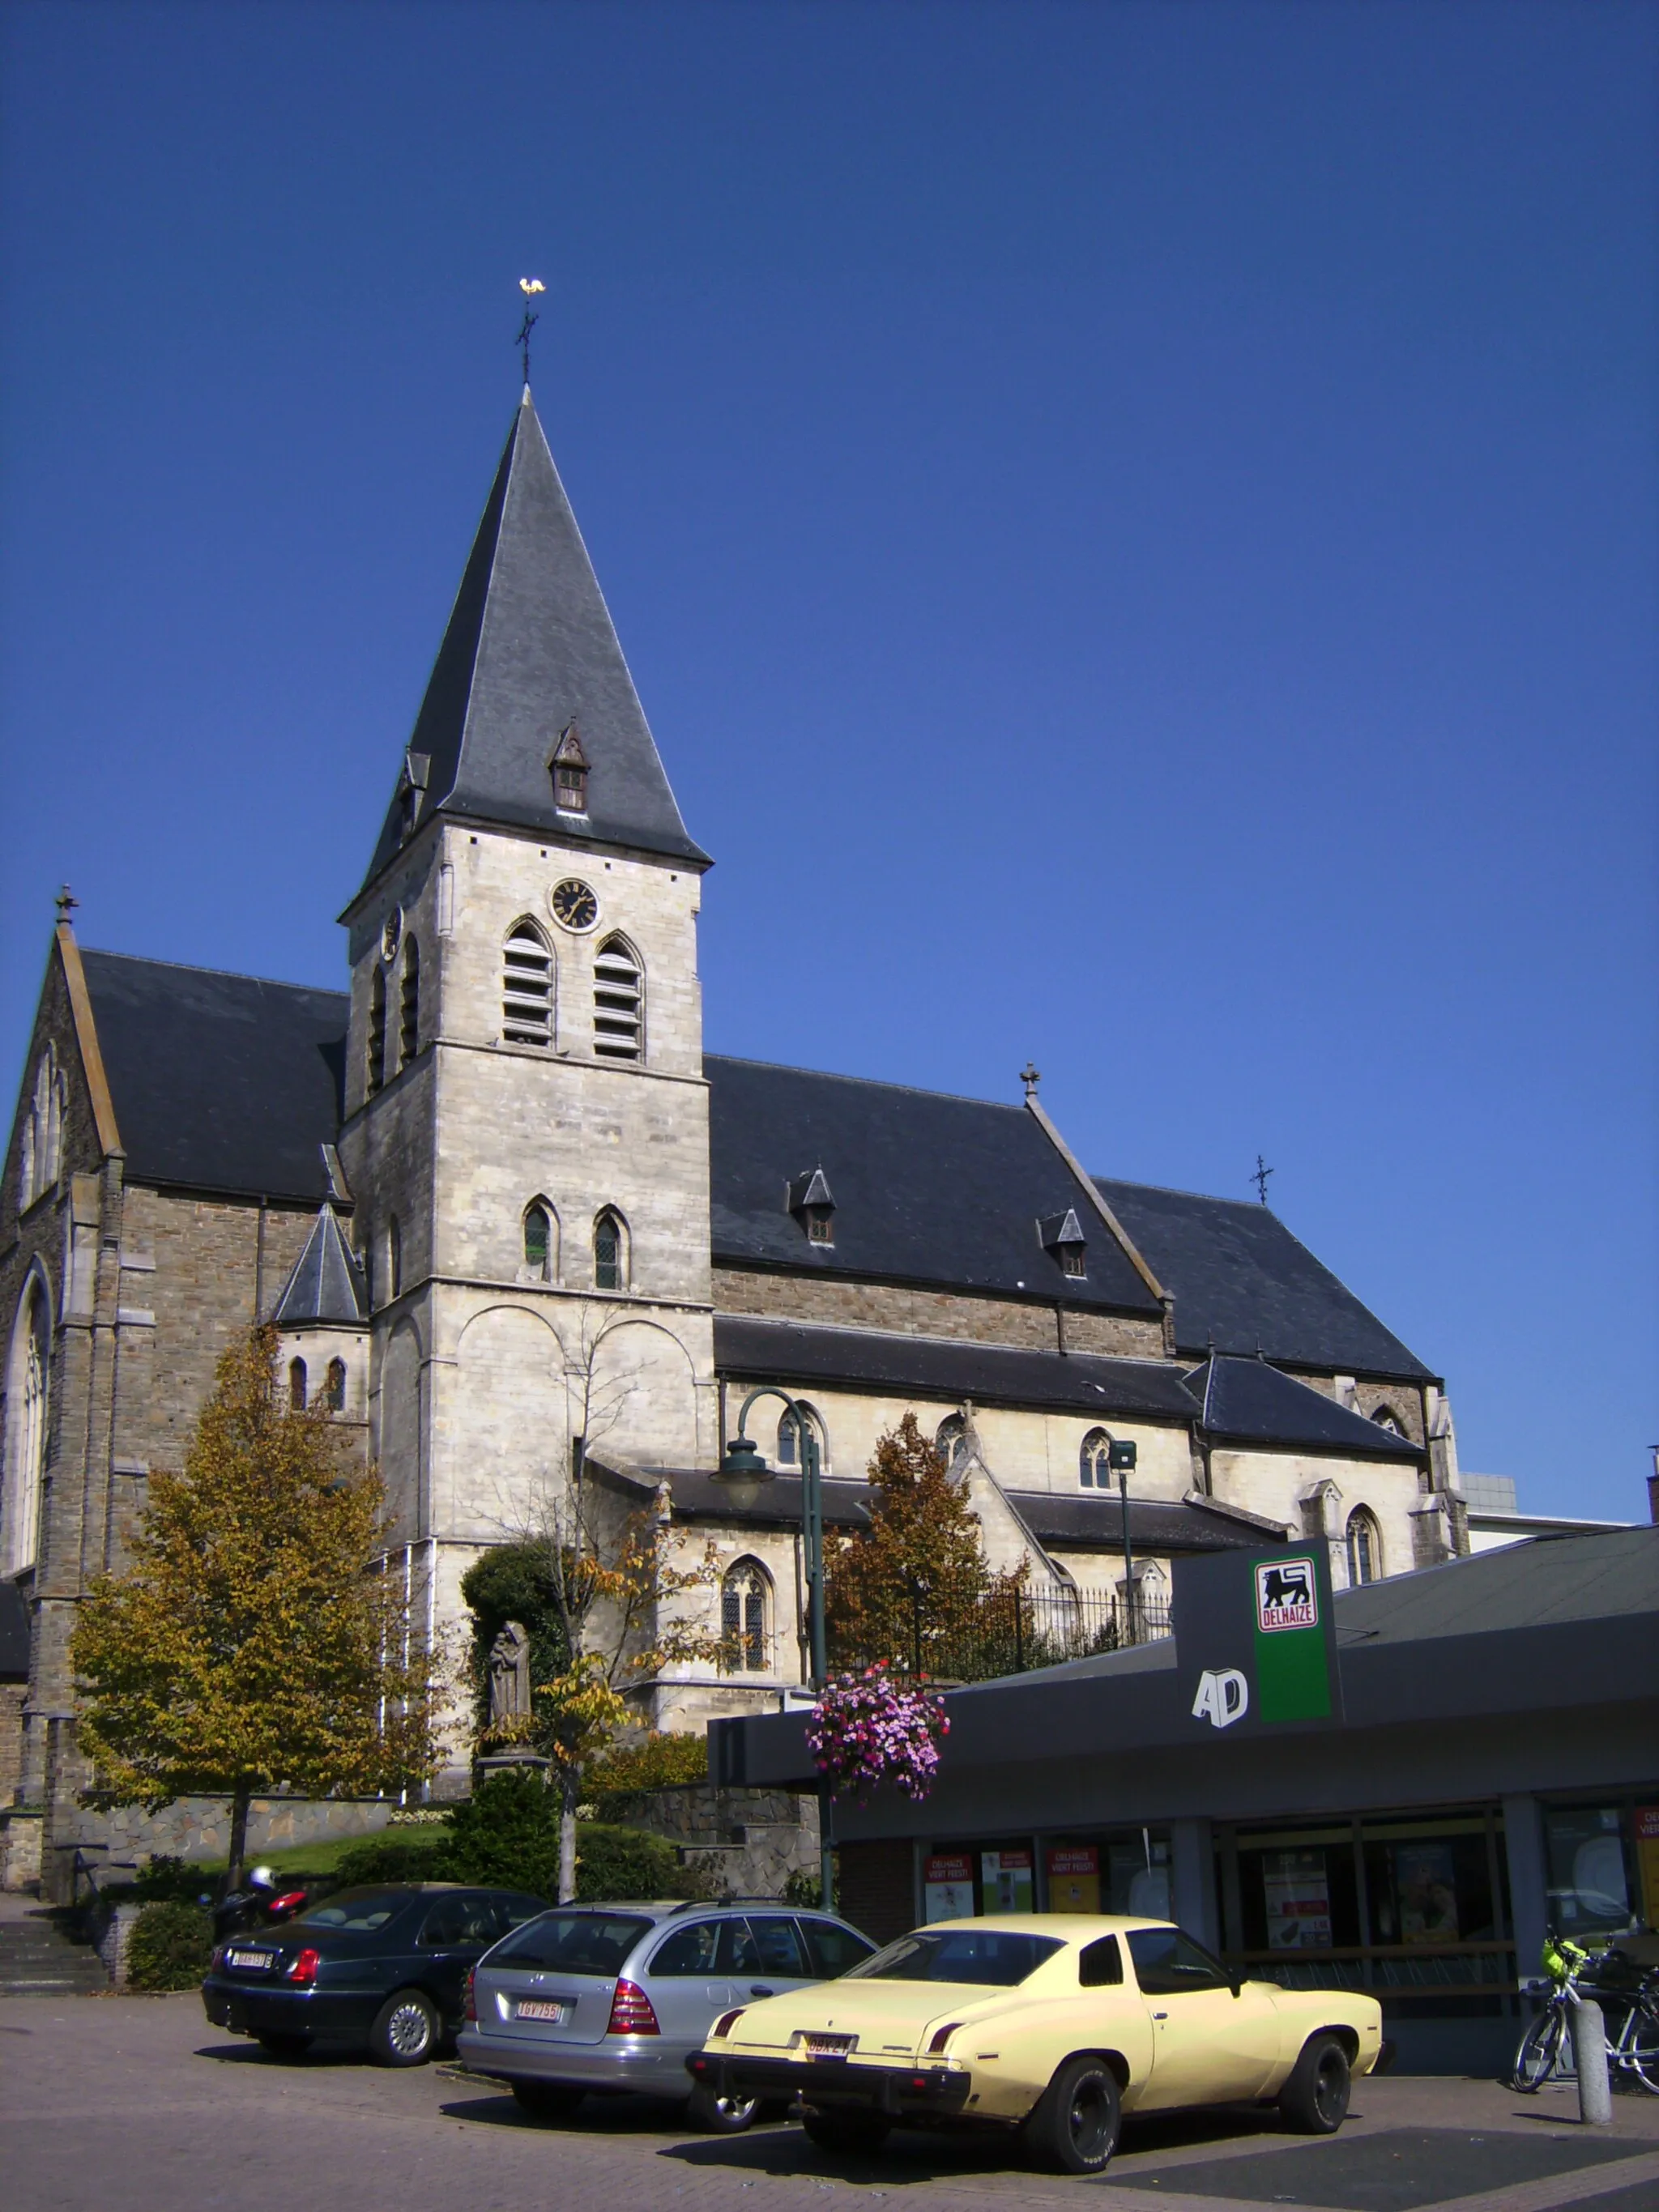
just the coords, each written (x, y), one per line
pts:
(1135, 527)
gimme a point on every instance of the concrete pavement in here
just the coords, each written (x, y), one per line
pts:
(136, 2105)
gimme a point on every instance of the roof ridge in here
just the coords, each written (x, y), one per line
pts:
(870, 1082)
(227, 974)
(1179, 1190)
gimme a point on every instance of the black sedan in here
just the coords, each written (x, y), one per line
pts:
(385, 1966)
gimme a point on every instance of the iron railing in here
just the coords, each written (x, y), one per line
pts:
(1007, 1635)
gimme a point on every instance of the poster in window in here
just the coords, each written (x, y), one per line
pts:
(1073, 1878)
(1006, 1876)
(1425, 1885)
(947, 1888)
(1299, 1896)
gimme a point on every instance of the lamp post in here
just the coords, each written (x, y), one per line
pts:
(742, 1474)
(1121, 1458)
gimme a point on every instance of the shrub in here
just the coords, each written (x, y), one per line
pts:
(508, 1834)
(170, 1946)
(657, 1762)
(415, 1854)
(619, 1863)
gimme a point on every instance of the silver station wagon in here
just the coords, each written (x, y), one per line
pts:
(616, 1997)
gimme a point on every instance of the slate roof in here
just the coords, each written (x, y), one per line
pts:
(1248, 1402)
(327, 1283)
(531, 648)
(929, 1189)
(1057, 1520)
(1242, 1281)
(220, 1083)
(992, 1375)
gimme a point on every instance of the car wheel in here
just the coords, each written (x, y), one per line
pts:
(846, 2133)
(405, 2030)
(1314, 2100)
(547, 2101)
(1074, 2127)
(721, 2116)
(285, 2046)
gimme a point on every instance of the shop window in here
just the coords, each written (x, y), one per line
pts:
(1588, 1851)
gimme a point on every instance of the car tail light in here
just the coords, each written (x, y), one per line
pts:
(943, 2036)
(471, 2006)
(631, 2013)
(290, 1901)
(218, 1959)
(727, 2021)
(304, 1968)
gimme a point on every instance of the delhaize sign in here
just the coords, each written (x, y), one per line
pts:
(1255, 1641)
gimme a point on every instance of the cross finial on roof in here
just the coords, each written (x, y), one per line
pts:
(66, 903)
(1030, 1077)
(530, 286)
(1260, 1178)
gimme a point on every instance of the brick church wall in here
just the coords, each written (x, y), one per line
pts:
(908, 1311)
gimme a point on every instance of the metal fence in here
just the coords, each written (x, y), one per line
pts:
(1030, 1628)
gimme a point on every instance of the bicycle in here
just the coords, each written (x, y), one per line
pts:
(1547, 2050)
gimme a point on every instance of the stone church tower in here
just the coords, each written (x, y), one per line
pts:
(526, 1131)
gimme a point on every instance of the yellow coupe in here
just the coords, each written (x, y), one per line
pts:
(1052, 2024)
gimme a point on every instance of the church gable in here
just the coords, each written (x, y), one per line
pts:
(64, 1123)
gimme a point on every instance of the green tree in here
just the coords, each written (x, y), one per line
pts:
(914, 1583)
(257, 1642)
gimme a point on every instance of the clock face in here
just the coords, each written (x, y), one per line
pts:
(574, 904)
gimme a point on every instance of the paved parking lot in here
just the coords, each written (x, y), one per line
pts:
(136, 2105)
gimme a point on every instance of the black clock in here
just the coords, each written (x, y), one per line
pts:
(574, 904)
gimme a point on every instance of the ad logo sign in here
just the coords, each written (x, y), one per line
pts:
(1286, 1596)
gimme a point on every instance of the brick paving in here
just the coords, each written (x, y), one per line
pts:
(135, 2105)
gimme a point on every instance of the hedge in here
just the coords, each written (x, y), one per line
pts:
(170, 1948)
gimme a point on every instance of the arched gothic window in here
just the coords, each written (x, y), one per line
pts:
(618, 1001)
(376, 1030)
(950, 1439)
(334, 1387)
(541, 1241)
(527, 986)
(296, 1386)
(609, 1252)
(1364, 1549)
(743, 1618)
(394, 1260)
(1094, 1470)
(789, 1440)
(408, 1005)
(1386, 1418)
(43, 1134)
(26, 1423)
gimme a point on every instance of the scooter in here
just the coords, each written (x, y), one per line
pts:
(258, 1905)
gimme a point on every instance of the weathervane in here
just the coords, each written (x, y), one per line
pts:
(1260, 1178)
(530, 286)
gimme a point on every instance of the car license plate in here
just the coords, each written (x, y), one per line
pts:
(827, 2047)
(253, 1962)
(538, 2008)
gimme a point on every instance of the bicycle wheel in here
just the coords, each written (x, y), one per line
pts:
(1541, 2047)
(1641, 2047)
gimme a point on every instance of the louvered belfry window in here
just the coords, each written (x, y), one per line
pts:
(618, 1001)
(376, 1032)
(527, 987)
(409, 1013)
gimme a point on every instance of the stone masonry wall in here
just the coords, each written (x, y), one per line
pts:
(908, 1312)
(750, 1841)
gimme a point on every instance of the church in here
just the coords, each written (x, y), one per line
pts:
(503, 1207)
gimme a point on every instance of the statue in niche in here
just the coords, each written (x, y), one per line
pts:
(509, 1674)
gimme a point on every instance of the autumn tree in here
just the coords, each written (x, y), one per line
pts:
(257, 1642)
(915, 1582)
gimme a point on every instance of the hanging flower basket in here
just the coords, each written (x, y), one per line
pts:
(866, 1730)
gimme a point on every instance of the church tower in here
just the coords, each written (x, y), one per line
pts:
(526, 1141)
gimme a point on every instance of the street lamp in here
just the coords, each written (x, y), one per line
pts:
(742, 1474)
(1121, 1458)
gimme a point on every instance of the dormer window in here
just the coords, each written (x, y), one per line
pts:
(810, 1200)
(569, 766)
(1062, 1235)
(412, 785)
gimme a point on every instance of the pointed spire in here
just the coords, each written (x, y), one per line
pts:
(530, 652)
(326, 1283)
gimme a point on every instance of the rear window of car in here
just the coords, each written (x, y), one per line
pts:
(835, 1949)
(581, 1942)
(359, 1910)
(992, 1957)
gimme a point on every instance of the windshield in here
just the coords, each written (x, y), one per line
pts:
(581, 1942)
(359, 1910)
(990, 1956)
